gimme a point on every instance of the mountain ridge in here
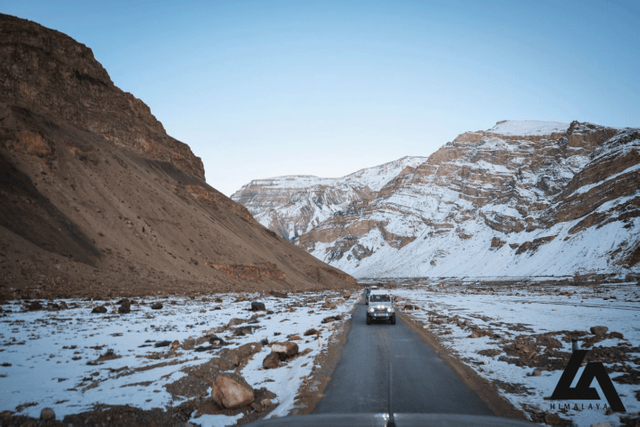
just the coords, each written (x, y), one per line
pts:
(526, 204)
(317, 197)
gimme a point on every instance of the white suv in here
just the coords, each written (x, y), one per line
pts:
(380, 307)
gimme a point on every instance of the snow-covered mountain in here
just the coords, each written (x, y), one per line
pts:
(293, 205)
(522, 198)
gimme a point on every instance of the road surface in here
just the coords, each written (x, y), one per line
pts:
(421, 381)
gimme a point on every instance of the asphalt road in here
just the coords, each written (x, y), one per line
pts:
(421, 381)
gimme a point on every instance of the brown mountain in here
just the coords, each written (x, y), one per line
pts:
(96, 199)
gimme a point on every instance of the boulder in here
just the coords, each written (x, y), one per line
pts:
(272, 361)
(125, 306)
(157, 306)
(216, 340)
(47, 414)
(311, 331)
(100, 309)
(230, 394)
(599, 330)
(285, 350)
(257, 306)
(36, 305)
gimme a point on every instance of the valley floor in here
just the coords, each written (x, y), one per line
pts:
(519, 338)
(157, 365)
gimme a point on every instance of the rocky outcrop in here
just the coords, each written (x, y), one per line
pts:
(97, 200)
(522, 198)
(49, 72)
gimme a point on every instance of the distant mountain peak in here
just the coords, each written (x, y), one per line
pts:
(528, 127)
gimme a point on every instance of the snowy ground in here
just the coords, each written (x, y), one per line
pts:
(523, 329)
(72, 359)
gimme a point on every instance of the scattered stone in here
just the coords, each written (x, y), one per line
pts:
(296, 338)
(617, 335)
(204, 348)
(163, 344)
(266, 403)
(36, 305)
(552, 419)
(285, 350)
(239, 356)
(216, 340)
(110, 354)
(47, 414)
(175, 345)
(100, 310)
(331, 319)
(497, 243)
(189, 343)
(258, 306)
(599, 330)
(279, 294)
(231, 394)
(311, 331)
(157, 306)
(245, 330)
(125, 306)
(272, 361)
(475, 334)
(536, 373)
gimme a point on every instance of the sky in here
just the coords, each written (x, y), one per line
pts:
(263, 88)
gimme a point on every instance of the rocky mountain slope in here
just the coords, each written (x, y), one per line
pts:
(294, 205)
(521, 199)
(96, 198)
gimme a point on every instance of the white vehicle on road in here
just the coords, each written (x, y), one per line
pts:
(380, 307)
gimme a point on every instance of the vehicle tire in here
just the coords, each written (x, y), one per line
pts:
(368, 320)
(393, 320)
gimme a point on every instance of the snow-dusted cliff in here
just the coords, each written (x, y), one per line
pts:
(523, 198)
(293, 205)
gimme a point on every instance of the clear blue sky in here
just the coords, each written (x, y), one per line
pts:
(268, 88)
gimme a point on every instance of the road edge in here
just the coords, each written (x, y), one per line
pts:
(312, 390)
(486, 390)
